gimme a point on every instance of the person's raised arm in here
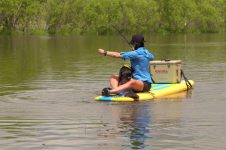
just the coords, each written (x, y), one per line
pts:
(109, 53)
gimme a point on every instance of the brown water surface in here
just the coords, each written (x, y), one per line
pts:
(48, 85)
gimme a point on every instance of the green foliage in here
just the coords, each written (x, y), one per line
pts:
(102, 16)
(20, 15)
(209, 16)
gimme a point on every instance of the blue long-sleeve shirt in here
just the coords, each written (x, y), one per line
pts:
(139, 60)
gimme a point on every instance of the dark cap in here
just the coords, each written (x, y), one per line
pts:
(137, 38)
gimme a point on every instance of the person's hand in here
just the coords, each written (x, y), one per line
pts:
(101, 51)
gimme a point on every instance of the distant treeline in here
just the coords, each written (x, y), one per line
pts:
(104, 17)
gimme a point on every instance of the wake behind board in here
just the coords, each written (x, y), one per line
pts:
(157, 91)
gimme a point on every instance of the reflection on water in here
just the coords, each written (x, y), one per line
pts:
(48, 85)
(134, 123)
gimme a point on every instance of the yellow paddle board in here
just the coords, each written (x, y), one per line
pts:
(157, 91)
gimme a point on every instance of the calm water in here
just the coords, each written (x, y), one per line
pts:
(48, 85)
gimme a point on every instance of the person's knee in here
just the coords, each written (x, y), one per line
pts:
(114, 77)
(114, 81)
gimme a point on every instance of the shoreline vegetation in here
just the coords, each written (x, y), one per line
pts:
(105, 17)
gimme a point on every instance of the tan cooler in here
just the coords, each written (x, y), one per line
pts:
(166, 71)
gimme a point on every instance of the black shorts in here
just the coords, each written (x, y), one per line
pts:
(147, 86)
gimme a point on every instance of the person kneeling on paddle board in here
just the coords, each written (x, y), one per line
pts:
(139, 58)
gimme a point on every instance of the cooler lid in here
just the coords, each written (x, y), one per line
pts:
(165, 62)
